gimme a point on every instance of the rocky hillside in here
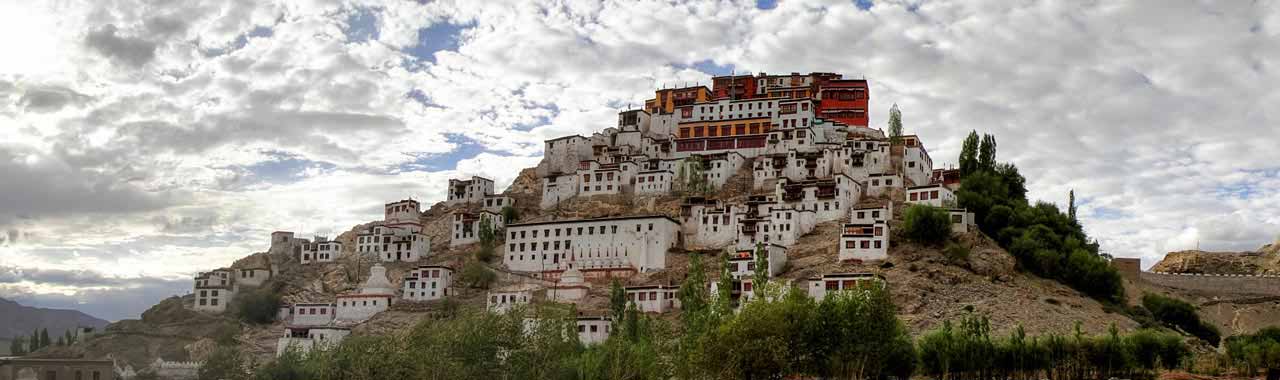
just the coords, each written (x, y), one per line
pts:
(929, 287)
(18, 320)
(1265, 260)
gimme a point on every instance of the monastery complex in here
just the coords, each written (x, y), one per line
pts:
(803, 139)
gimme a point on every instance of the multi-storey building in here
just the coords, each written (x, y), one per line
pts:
(213, 291)
(427, 282)
(636, 243)
(708, 223)
(883, 183)
(916, 164)
(304, 339)
(321, 250)
(402, 242)
(468, 191)
(253, 277)
(593, 329)
(466, 226)
(405, 211)
(845, 101)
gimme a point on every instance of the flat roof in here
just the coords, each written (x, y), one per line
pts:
(673, 220)
(566, 137)
(925, 186)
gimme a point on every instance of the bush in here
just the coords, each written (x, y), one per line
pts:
(259, 306)
(477, 275)
(956, 253)
(1176, 313)
(926, 224)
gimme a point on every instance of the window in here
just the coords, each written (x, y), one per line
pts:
(849, 244)
(866, 244)
(933, 194)
(877, 244)
(914, 196)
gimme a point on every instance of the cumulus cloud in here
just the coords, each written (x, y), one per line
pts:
(173, 137)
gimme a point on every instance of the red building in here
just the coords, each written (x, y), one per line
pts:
(733, 87)
(844, 101)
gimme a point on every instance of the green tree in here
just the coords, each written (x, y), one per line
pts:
(290, 365)
(18, 346)
(969, 155)
(895, 125)
(259, 306)
(510, 215)
(987, 153)
(1071, 204)
(617, 300)
(477, 275)
(695, 317)
(1179, 314)
(225, 363)
(62, 341)
(723, 303)
(760, 277)
(926, 224)
(44, 338)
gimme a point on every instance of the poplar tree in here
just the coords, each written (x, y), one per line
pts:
(762, 269)
(1071, 207)
(969, 154)
(44, 338)
(987, 153)
(895, 125)
(617, 300)
(724, 289)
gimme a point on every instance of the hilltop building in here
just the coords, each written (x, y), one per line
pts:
(320, 250)
(466, 226)
(597, 246)
(213, 291)
(469, 191)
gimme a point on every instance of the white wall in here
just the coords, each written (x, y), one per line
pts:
(602, 243)
(360, 307)
(427, 283)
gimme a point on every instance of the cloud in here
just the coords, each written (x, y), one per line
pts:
(132, 51)
(211, 123)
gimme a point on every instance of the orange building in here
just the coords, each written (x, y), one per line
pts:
(734, 87)
(666, 100)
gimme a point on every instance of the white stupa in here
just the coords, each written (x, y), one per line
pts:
(377, 282)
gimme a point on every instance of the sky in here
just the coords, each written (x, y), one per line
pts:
(142, 141)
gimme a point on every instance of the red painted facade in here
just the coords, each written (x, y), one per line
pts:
(733, 87)
(845, 101)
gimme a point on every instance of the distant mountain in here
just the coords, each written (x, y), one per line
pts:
(19, 320)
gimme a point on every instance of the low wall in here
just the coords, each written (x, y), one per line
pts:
(1215, 283)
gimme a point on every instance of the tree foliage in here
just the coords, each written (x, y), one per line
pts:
(895, 125)
(1178, 314)
(1260, 351)
(258, 306)
(760, 277)
(987, 153)
(969, 155)
(967, 350)
(1045, 241)
(926, 224)
(475, 274)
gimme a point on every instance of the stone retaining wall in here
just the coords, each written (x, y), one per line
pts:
(1237, 284)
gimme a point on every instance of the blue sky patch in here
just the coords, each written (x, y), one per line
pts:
(464, 148)
(863, 4)
(283, 167)
(362, 25)
(437, 37)
(766, 4)
(240, 42)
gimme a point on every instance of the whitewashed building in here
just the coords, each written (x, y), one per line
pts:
(558, 187)
(935, 195)
(916, 164)
(882, 183)
(373, 297)
(768, 222)
(502, 300)
(405, 242)
(654, 298)
(654, 182)
(864, 241)
(404, 211)
(820, 287)
(213, 291)
(636, 242)
(742, 262)
(469, 191)
(961, 220)
(466, 226)
(305, 339)
(312, 314)
(427, 283)
(495, 203)
(252, 277)
(593, 330)
(321, 250)
(708, 223)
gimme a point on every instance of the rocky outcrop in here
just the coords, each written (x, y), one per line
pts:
(1265, 261)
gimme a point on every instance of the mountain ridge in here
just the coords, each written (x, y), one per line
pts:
(20, 320)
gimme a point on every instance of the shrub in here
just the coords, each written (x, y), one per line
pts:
(926, 224)
(259, 306)
(477, 275)
(1176, 313)
(956, 253)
